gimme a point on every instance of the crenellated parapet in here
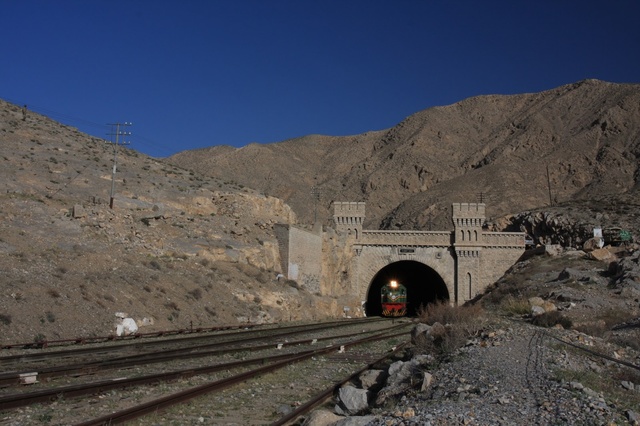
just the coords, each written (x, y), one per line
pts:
(468, 219)
(348, 217)
(503, 239)
(407, 238)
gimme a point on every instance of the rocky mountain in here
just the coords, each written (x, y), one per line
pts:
(190, 241)
(576, 143)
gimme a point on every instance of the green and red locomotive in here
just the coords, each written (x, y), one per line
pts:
(393, 297)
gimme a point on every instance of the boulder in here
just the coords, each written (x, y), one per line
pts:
(592, 244)
(537, 310)
(574, 274)
(372, 379)
(426, 381)
(78, 211)
(419, 334)
(399, 372)
(602, 254)
(401, 375)
(553, 249)
(536, 301)
(355, 421)
(352, 400)
(126, 327)
(321, 418)
(437, 331)
(549, 306)
(633, 417)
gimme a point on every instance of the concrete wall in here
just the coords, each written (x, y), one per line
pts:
(282, 235)
(305, 258)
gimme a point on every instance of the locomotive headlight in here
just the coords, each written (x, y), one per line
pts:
(394, 283)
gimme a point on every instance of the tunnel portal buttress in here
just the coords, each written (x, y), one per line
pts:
(423, 284)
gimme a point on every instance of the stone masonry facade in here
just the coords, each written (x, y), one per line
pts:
(468, 259)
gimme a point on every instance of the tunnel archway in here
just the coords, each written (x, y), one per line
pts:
(423, 284)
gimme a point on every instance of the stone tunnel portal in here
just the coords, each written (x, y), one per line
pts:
(423, 284)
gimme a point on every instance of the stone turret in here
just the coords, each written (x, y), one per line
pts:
(348, 217)
(467, 222)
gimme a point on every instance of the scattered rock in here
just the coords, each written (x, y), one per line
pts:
(426, 381)
(628, 385)
(352, 400)
(372, 379)
(602, 254)
(78, 212)
(355, 421)
(321, 417)
(420, 334)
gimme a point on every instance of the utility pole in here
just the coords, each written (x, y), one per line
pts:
(315, 193)
(549, 185)
(115, 131)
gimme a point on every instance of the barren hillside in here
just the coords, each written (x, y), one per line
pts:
(179, 249)
(491, 148)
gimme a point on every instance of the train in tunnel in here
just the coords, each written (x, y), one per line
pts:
(421, 284)
(393, 298)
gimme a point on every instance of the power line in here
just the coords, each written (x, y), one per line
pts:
(76, 121)
(56, 114)
(117, 133)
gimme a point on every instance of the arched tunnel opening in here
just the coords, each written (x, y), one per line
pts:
(423, 284)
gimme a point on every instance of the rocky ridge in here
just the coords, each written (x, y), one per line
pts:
(578, 142)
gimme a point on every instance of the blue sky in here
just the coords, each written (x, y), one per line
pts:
(196, 73)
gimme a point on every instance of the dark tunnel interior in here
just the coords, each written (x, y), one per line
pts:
(423, 285)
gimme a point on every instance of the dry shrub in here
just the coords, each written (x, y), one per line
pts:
(629, 338)
(195, 293)
(294, 284)
(263, 277)
(5, 319)
(593, 328)
(613, 317)
(550, 319)
(53, 293)
(603, 322)
(510, 287)
(465, 316)
(181, 256)
(460, 324)
(515, 306)
(172, 305)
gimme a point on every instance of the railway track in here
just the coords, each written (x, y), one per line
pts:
(214, 367)
(87, 361)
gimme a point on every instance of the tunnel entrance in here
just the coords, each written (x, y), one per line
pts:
(423, 284)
